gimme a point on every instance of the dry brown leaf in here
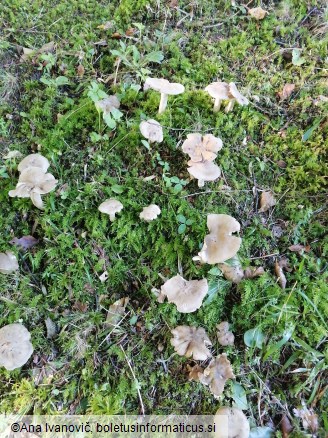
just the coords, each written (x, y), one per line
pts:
(280, 274)
(299, 248)
(309, 418)
(257, 13)
(253, 271)
(80, 70)
(286, 91)
(131, 31)
(28, 53)
(282, 164)
(173, 4)
(286, 426)
(116, 311)
(80, 307)
(267, 201)
(194, 372)
(25, 242)
(106, 26)
(116, 36)
(232, 273)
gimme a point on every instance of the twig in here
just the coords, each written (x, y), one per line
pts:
(265, 256)
(116, 71)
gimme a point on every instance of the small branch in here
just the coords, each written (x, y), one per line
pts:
(265, 256)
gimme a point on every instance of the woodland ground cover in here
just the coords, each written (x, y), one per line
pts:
(275, 143)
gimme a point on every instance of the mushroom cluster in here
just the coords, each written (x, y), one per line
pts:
(33, 180)
(113, 206)
(220, 91)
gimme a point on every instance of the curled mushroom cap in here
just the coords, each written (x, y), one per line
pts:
(224, 336)
(150, 213)
(236, 426)
(220, 245)
(191, 341)
(202, 148)
(204, 171)
(235, 96)
(111, 207)
(216, 374)
(8, 262)
(15, 346)
(34, 160)
(152, 130)
(219, 91)
(165, 87)
(107, 105)
(186, 295)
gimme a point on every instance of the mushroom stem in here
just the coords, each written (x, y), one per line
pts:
(37, 200)
(217, 105)
(112, 217)
(163, 103)
(230, 105)
(201, 183)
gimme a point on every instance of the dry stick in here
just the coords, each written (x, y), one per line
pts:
(116, 71)
(265, 256)
(134, 376)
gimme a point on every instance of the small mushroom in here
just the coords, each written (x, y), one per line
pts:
(216, 374)
(202, 148)
(233, 425)
(194, 372)
(8, 262)
(108, 104)
(220, 245)
(166, 89)
(15, 346)
(152, 131)
(186, 295)
(204, 171)
(33, 183)
(235, 96)
(224, 336)
(111, 207)
(34, 160)
(150, 213)
(219, 91)
(191, 341)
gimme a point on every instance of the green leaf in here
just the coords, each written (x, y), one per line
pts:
(181, 218)
(116, 114)
(189, 222)
(296, 57)
(175, 180)
(277, 346)
(254, 337)
(213, 288)
(94, 137)
(307, 134)
(62, 80)
(146, 144)
(133, 320)
(110, 122)
(214, 271)
(177, 188)
(117, 189)
(182, 228)
(239, 396)
(156, 56)
(260, 432)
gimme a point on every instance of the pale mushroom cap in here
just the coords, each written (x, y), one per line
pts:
(233, 92)
(15, 346)
(8, 262)
(220, 245)
(110, 206)
(238, 425)
(108, 104)
(225, 337)
(152, 130)
(33, 179)
(204, 171)
(34, 160)
(191, 341)
(218, 90)
(186, 295)
(164, 86)
(201, 148)
(216, 374)
(150, 213)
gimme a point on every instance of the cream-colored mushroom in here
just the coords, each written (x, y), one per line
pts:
(186, 295)
(8, 262)
(111, 207)
(219, 91)
(191, 341)
(150, 213)
(152, 131)
(224, 336)
(204, 171)
(34, 160)
(33, 183)
(235, 96)
(15, 346)
(108, 104)
(232, 424)
(220, 245)
(166, 89)
(202, 148)
(216, 374)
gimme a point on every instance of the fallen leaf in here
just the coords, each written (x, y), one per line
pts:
(299, 248)
(103, 277)
(267, 201)
(46, 48)
(194, 372)
(253, 271)
(12, 154)
(116, 311)
(232, 273)
(80, 70)
(296, 57)
(25, 242)
(308, 417)
(51, 328)
(282, 164)
(116, 36)
(106, 26)
(286, 426)
(257, 13)
(80, 307)
(131, 31)
(280, 274)
(173, 4)
(286, 91)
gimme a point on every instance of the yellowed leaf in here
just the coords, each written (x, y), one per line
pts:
(267, 201)
(280, 275)
(257, 13)
(286, 91)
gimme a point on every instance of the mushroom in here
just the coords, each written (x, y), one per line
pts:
(194, 372)
(234, 423)
(233, 272)
(111, 207)
(33, 183)
(216, 374)
(186, 295)
(166, 88)
(34, 160)
(15, 346)
(8, 262)
(204, 171)
(152, 131)
(107, 105)
(202, 148)
(224, 336)
(235, 95)
(219, 91)
(191, 341)
(220, 245)
(150, 213)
